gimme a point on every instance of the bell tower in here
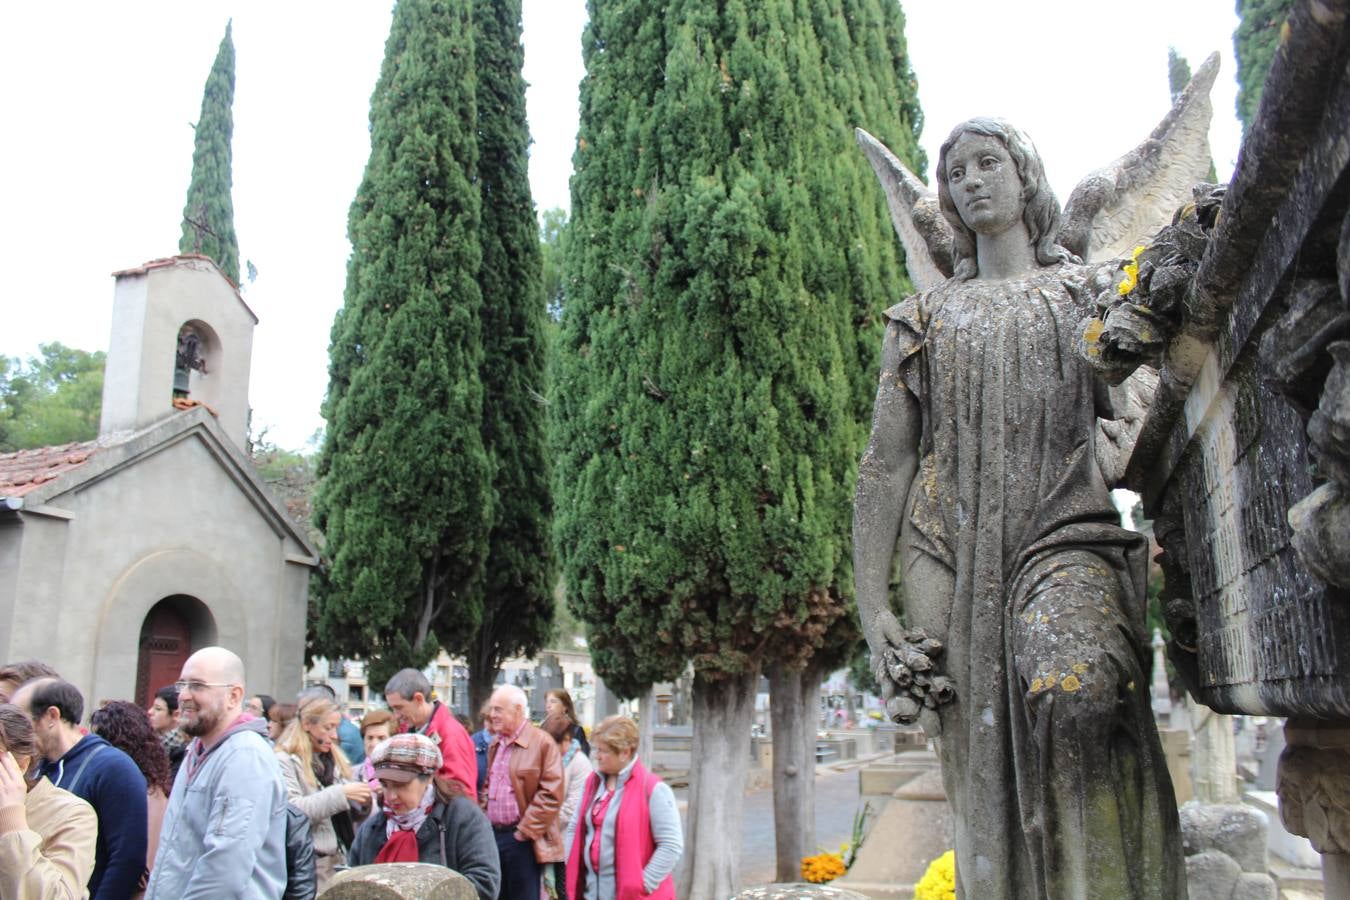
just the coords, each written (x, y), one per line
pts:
(180, 331)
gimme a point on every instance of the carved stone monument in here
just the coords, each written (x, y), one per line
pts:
(1244, 458)
(1024, 652)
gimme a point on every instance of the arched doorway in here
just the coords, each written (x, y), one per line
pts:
(173, 628)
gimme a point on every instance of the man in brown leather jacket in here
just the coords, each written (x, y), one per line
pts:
(524, 794)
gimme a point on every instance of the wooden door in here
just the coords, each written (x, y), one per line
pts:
(166, 642)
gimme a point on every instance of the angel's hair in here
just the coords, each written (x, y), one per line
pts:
(1041, 209)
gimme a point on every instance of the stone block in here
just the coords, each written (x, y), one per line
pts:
(1255, 886)
(912, 829)
(400, 881)
(1234, 829)
(1211, 875)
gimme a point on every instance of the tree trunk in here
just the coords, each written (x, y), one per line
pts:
(646, 723)
(793, 697)
(482, 680)
(723, 710)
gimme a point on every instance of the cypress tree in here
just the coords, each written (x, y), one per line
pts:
(208, 216)
(1254, 42)
(515, 596)
(1178, 73)
(405, 499)
(729, 260)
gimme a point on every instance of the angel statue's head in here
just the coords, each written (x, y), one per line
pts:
(1034, 201)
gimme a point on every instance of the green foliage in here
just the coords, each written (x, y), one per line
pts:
(405, 496)
(290, 474)
(208, 216)
(1255, 41)
(717, 354)
(1178, 73)
(552, 249)
(515, 596)
(54, 398)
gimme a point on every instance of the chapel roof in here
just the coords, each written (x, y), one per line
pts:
(26, 470)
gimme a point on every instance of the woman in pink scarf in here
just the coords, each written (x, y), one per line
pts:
(626, 835)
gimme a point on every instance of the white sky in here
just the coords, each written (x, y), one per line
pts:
(98, 98)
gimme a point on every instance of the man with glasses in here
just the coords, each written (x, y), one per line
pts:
(224, 832)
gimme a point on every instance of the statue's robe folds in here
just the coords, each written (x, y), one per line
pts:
(1014, 556)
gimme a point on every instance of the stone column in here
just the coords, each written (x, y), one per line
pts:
(1313, 784)
(1215, 757)
(1162, 692)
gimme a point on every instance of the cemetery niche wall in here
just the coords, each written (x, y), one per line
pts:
(1244, 458)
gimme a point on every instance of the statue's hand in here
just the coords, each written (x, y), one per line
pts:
(903, 664)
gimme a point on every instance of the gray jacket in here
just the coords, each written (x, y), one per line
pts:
(224, 832)
(667, 833)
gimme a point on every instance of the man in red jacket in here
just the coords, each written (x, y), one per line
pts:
(407, 693)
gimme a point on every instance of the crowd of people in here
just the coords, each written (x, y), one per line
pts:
(213, 792)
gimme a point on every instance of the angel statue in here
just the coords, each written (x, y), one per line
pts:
(994, 446)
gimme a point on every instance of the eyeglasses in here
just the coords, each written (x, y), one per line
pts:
(196, 687)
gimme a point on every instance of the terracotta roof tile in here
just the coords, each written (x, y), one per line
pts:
(26, 470)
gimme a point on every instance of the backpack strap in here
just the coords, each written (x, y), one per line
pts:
(79, 773)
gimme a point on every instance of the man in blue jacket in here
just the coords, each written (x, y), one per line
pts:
(224, 832)
(96, 771)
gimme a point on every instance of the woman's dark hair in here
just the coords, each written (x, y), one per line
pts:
(16, 736)
(126, 727)
(566, 700)
(1041, 211)
(268, 701)
(169, 695)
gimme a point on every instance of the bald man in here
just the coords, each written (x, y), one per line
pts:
(224, 832)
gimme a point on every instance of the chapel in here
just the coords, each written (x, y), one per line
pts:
(122, 555)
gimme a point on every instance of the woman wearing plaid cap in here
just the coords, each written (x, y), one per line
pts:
(424, 818)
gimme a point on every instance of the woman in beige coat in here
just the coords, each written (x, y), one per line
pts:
(320, 782)
(47, 835)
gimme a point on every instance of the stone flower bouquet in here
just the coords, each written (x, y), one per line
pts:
(909, 666)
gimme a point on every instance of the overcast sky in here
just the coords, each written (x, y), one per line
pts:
(99, 97)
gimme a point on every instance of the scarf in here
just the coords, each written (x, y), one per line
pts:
(401, 830)
(325, 770)
(571, 752)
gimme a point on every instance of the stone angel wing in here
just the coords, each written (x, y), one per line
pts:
(1119, 206)
(924, 232)
(1123, 205)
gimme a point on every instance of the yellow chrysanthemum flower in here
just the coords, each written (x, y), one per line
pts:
(939, 882)
(1131, 270)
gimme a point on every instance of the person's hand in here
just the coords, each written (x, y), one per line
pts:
(13, 789)
(357, 792)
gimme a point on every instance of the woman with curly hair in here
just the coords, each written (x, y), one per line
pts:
(126, 727)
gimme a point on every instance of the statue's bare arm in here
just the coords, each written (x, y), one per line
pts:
(884, 479)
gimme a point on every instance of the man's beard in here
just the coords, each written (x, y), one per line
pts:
(204, 723)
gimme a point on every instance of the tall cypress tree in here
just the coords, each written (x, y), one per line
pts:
(515, 596)
(728, 247)
(1255, 41)
(405, 499)
(208, 215)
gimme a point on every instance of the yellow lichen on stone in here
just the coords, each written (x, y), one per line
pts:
(1071, 684)
(1037, 686)
(1080, 668)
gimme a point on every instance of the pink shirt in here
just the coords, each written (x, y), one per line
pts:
(502, 808)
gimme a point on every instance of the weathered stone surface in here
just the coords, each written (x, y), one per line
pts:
(798, 892)
(1255, 886)
(1211, 875)
(400, 881)
(1234, 829)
